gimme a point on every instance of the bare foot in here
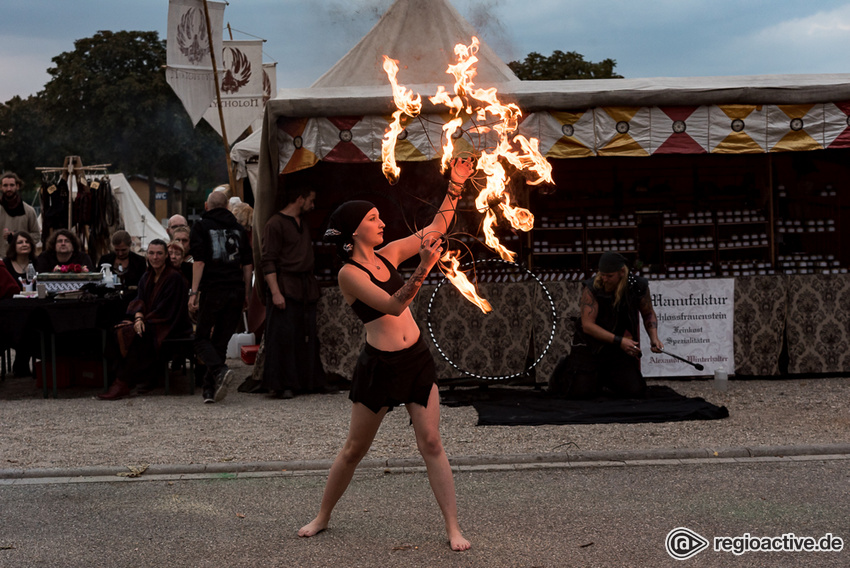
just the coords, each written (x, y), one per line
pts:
(459, 544)
(313, 528)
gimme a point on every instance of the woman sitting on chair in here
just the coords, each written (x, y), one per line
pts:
(158, 312)
(20, 253)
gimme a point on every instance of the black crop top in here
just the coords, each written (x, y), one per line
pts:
(364, 311)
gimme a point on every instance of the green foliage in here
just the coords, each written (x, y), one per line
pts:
(560, 66)
(25, 141)
(108, 102)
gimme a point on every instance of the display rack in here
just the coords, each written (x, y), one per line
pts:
(573, 243)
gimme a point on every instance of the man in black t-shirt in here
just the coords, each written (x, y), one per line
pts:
(222, 274)
(606, 353)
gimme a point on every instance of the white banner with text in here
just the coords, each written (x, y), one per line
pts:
(696, 323)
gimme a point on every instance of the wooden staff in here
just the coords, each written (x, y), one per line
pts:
(230, 175)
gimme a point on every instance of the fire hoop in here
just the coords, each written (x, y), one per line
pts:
(500, 377)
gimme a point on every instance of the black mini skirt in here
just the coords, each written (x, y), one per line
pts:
(391, 378)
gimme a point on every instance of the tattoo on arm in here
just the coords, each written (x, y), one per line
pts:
(406, 293)
(588, 303)
(650, 321)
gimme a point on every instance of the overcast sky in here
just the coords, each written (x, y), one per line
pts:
(647, 38)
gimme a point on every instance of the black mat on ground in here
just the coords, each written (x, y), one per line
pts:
(498, 406)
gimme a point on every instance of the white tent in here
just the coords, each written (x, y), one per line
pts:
(245, 155)
(138, 220)
(422, 37)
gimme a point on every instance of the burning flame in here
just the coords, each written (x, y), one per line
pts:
(517, 150)
(409, 104)
(461, 282)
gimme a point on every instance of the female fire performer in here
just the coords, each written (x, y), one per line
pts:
(395, 366)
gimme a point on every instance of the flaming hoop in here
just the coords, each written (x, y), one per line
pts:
(494, 377)
(517, 151)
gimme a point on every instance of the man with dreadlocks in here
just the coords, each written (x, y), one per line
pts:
(606, 349)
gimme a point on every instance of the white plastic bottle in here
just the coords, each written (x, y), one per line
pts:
(30, 277)
(721, 379)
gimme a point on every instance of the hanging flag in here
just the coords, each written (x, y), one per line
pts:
(241, 86)
(269, 92)
(269, 81)
(189, 68)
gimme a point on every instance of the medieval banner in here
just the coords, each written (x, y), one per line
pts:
(269, 81)
(189, 68)
(696, 322)
(241, 86)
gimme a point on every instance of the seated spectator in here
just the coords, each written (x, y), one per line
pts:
(63, 249)
(128, 265)
(159, 312)
(8, 287)
(181, 235)
(176, 253)
(20, 253)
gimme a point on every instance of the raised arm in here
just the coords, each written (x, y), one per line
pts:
(400, 250)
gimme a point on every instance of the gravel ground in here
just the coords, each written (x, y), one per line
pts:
(77, 430)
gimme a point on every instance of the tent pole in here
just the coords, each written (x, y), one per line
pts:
(231, 178)
(770, 213)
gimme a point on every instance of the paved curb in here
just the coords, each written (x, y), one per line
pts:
(551, 459)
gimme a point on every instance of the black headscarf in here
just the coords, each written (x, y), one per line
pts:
(611, 262)
(342, 224)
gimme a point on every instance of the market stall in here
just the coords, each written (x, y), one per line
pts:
(740, 156)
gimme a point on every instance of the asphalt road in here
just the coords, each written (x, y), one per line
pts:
(598, 515)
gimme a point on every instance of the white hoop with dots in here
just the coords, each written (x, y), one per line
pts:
(500, 377)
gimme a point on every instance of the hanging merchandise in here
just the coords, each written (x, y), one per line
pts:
(104, 214)
(54, 205)
(77, 202)
(82, 204)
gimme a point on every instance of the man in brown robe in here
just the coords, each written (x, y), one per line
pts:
(292, 363)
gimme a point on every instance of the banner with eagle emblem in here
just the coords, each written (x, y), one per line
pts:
(241, 85)
(189, 68)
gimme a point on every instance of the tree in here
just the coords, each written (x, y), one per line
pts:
(25, 141)
(560, 65)
(108, 102)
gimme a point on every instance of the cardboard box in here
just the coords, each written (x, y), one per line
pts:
(249, 353)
